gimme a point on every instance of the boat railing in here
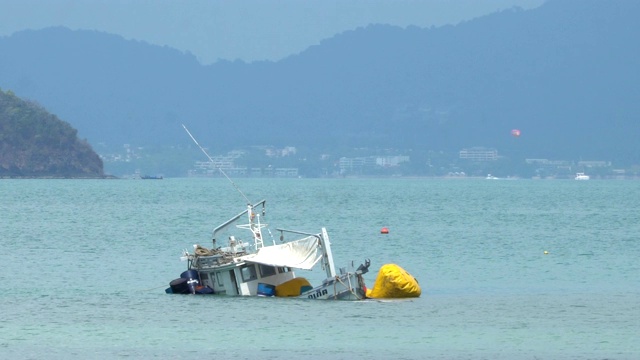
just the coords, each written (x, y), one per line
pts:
(325, 245)
(234, 219)
(282, 231)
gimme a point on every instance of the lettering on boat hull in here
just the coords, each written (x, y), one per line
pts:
(318, 294)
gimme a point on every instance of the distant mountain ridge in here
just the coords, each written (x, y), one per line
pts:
(565, 74)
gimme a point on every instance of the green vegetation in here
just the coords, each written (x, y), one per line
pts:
(35, 143)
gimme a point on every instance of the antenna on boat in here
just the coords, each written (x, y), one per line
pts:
(217, 167)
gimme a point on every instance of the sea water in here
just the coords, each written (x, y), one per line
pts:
(523, 269)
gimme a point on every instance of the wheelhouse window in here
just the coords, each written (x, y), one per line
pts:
(248, 272)
(204, 278)
(266, 270)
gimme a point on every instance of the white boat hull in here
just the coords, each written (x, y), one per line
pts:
(349, 286)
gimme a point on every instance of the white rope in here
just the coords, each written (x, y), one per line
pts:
(217, 167)
(345, 285)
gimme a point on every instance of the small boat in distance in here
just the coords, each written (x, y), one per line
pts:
(581, 176)
(491, 177)
(138, 176)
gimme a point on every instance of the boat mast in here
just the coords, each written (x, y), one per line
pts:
(255, 226)
(217, 167)
(328, 256)
(233, 219)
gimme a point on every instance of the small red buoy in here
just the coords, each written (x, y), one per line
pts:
(384, 230)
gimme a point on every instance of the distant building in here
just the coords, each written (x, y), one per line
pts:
(355, 165)
(361, 165)
(389, 161)
(479, 154)
(548, 163)
(593, 164)
(286, 172)
(286, 151)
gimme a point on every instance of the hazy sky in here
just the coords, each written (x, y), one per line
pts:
(239, 29)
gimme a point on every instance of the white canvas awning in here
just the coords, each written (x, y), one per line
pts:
(299, 254)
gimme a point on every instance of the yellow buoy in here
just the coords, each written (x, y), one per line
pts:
(393, 282)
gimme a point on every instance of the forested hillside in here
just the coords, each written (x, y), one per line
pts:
(35, 143)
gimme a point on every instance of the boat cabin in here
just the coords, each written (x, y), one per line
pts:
(244, 278)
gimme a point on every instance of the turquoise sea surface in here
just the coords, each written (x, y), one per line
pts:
(522, 269)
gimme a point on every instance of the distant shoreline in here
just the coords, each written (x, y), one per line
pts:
(113, 177)
(105, 177)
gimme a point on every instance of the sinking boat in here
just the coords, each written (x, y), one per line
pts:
(250, 266)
